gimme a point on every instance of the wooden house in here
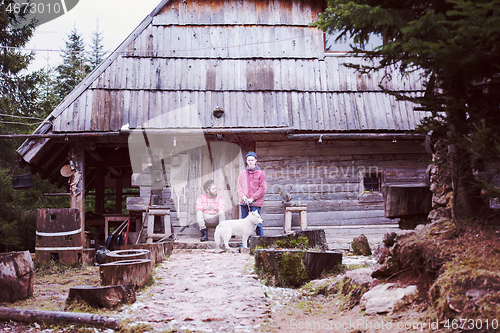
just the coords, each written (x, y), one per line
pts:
(198, 84)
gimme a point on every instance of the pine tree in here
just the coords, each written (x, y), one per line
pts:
(74, 67)
(97, 54)
(456, 43)
(18, 91)
(18, 95)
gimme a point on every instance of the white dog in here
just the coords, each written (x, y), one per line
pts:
(241, 227)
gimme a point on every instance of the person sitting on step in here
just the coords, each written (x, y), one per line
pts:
(209, 209)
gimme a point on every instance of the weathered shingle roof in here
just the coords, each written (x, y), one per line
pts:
(259, 61)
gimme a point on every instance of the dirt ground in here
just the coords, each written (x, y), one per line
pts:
(205, 291)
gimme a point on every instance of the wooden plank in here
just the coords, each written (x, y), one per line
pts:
(95, 109)
(316, 112)
(328, 111)
(169, 109)
(80, 115)
(407, 200)
(307, 114)
(113, 110)
(60, 122)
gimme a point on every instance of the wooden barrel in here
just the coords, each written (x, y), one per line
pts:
(16, 276)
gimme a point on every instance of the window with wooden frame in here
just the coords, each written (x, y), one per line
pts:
(343, 45)
(370, 185)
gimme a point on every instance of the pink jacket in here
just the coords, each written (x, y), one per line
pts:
(210, 205)
(252, 184)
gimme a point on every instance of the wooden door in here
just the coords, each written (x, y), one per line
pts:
(222, 162)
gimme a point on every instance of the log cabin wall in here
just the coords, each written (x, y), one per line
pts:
(328, 177)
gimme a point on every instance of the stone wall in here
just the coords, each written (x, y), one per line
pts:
(441, 182)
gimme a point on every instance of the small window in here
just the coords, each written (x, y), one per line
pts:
(344, 43)
(54, 256)
(371, 183)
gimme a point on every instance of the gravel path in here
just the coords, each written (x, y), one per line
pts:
(202, 291)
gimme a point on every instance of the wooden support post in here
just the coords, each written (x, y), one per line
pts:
(119, 195)
(151, 226)
(303, 219)
(99, 190)
(288, 221)
(77, 189)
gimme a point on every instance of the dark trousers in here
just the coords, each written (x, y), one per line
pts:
(259, 231)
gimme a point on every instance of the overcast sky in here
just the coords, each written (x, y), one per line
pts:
(117, 19)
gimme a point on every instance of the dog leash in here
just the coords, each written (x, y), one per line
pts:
(248, 205)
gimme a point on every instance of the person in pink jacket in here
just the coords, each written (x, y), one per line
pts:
(251, 188)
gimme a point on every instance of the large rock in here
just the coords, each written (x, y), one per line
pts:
(387, 298)
(360, 246)
(388, 268)
(359, 278)
(16, 276)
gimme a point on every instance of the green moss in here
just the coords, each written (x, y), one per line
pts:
(281, 268)
(449, 292)
(300, 243)
(292, 269)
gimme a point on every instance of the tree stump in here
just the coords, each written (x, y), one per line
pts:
(159, 251)
(316, 237)
(281, 268)
(16, 276)
(137, 272)
(319, 262)
(129, 254)
(103, 297)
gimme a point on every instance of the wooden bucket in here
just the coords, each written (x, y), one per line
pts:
(22, 182)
